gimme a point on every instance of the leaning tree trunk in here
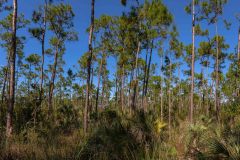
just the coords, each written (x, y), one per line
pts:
(193, 61)
(89, 65)
(9, 126)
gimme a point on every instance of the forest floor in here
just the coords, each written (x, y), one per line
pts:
(114, 136)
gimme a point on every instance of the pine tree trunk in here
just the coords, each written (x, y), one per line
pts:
(90, 92)
(202, 89)
(9, 126)
(193, 61)
(129, 89)
(122, 89)
(116, 91)
(4, 85)
(89, 64)
(144, 78)
(3, 91)
(169, 98)
(217, 105)
(103, 88)
(207, 107)
(179, 89)
(43, 53)
(135, 82)
(161, 91)
(238, 51)
(148, 68)
(51, 86)
(98, 85)
(238, 63)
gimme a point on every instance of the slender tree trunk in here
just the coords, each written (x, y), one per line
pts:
(211, 93)
(148, 68)
(169, 98)
(144, 78)
(89, 64)
(103, 87)
(135, 82)
(29, 79)
(116, 91)
(238, 51)
(4, 85)
(193, 62)
(17, 77)
(129, 89)
(98, 84)
(202, 89)
(161, 91)
(179, 89)
(5, 72)
(11, 100)
(238, 62)
(51, 86)
(90, 92)
(207, 111)
(122, 89)
(217, 104)
(43, 53)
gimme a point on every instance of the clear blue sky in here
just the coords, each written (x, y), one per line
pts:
(112, 7)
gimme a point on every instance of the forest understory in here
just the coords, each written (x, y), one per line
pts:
(116, 135)
(139, 89)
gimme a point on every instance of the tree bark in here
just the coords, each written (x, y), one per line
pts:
(4, 84)
(135, 82)
(122, 89)
(51, 86)
(116, 90)
(11, 100)
(144, 78)
(90, 92)
(43, 52)
(5, 72)
(169, 97)
(89, 64)
(217, 104)
(238, 51)
(193, 62)
(103, 87)
(129, 88)
(238, 62)
(98, 84)
(161, 90)
(148, 68)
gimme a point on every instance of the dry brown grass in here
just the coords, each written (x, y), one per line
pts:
(36, 147)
